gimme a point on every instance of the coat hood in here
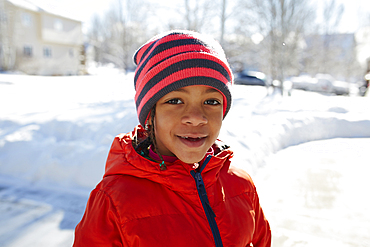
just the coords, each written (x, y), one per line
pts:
(124, 160)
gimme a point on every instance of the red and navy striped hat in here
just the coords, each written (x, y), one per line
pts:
(178, 59)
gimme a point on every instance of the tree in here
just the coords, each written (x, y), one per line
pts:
(328, 51)
(96, 38)
(229, 11)
(283, 24)
(195, 15)
(223, 20)
(332, 14)
(119, 33)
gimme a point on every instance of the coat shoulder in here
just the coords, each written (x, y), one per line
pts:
(130, 195)
(238, 181)
(121, 186)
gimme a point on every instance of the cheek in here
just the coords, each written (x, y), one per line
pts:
(216, 121)
(216, 129)
(162, 125)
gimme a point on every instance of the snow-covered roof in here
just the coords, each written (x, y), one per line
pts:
(25, 5)
(47, 8)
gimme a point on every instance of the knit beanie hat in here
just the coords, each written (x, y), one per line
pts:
(178, 59)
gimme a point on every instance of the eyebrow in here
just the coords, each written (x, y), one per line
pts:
(209, 90)
(212, 90)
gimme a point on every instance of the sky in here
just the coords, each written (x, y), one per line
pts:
(84, 9)
(354, 13)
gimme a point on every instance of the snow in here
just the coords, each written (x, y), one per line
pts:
(25, 5)
(55, 133)
(314, 194)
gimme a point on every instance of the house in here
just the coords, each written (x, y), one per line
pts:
(333, 54)
(363, 47)
(38, 42)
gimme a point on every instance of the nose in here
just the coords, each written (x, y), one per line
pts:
(195, 116)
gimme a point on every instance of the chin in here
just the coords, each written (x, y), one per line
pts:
(191, 159)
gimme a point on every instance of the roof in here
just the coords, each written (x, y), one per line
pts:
(46, 8)
(343, 40)
(25, 5)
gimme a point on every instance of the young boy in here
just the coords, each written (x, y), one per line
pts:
(170, 181)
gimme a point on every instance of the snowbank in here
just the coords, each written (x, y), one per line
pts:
(277, 122)
(58, 130)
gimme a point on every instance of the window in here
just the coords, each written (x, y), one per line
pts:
(47, 52)
(58, 24)
(27, 51)
(4, 16)
(26, 19)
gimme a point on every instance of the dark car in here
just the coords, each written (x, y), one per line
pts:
(253, 78)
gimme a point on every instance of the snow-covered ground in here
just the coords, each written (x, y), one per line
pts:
(315, 194)
(55, 133)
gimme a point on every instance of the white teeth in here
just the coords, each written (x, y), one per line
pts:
(186, 137)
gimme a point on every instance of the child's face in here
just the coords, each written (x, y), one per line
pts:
(187, 122)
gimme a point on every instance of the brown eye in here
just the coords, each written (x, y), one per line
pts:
(174, 101)
(212, 102)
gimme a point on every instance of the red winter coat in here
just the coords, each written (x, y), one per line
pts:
(137, 204)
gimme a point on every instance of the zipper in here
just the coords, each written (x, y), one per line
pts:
(205, 203)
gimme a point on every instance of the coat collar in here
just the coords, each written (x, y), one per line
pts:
(124, 160)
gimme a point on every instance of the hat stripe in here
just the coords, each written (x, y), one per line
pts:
(169, 38)
(143, 51)
(190, 72)
(151, 79)
(163, 46)
(153, 96)
(189, 56)
(155, 60)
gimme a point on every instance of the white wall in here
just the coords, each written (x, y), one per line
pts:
(62, 36)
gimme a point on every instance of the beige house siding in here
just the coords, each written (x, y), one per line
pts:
(60, 30)
(7, 49)
(45, 44)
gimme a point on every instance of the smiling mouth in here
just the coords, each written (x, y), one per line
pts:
(192, 139)
(193, 142)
